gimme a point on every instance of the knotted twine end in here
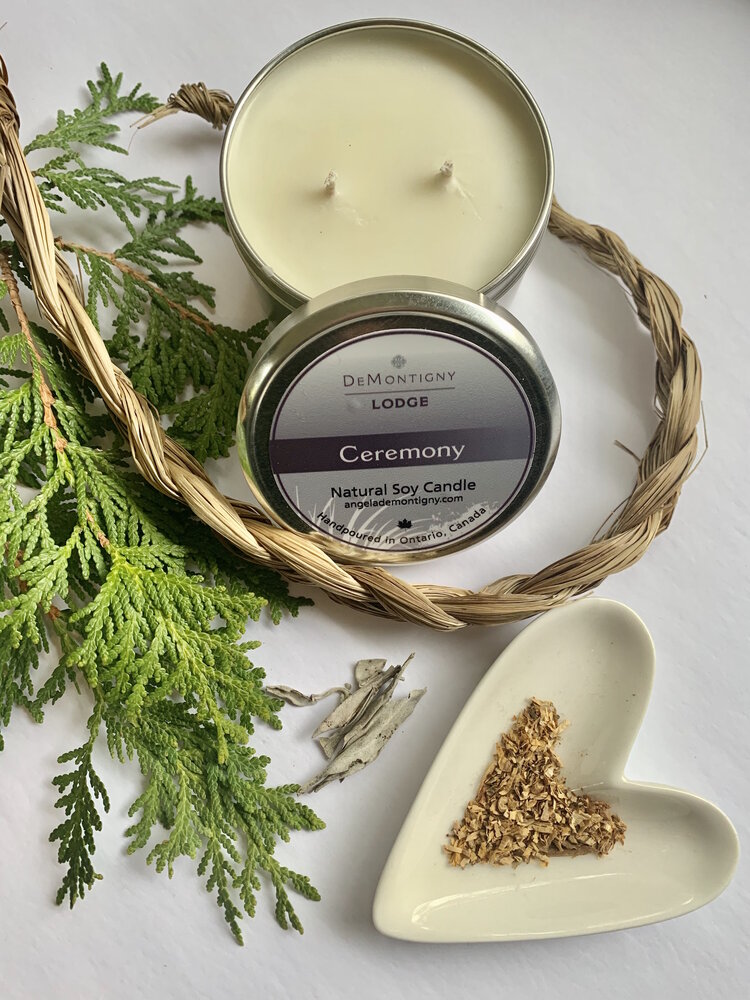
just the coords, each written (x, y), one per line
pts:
(8, 109)
(214, 106)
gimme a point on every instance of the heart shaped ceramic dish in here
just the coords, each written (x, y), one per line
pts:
(595, 660)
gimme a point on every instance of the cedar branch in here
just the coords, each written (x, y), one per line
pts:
(184, 311)
(45, 393)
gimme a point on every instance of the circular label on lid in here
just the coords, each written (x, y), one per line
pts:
(402, 441)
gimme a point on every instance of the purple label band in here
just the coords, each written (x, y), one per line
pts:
(414, 448)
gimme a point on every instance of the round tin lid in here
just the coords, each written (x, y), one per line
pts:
(398, 418)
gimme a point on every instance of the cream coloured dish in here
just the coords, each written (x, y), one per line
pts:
(595, 660)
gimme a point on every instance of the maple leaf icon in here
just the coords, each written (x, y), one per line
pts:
(404, 523)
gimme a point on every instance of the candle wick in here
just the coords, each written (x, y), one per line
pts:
(447, 168)
(330, 182)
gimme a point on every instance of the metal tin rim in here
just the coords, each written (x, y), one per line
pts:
(292, 297)
(330, 318)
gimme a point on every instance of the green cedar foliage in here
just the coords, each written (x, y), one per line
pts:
(188, 365)
(145, 608)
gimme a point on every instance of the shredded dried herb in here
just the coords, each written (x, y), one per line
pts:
(524, 810)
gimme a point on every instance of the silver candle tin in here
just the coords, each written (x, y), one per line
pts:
(274, 283)
(398, 419)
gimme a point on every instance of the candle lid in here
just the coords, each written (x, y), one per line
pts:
(398, 419)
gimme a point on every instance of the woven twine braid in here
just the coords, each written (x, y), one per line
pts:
(169, 468)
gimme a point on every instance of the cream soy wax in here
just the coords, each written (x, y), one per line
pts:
(386, 147)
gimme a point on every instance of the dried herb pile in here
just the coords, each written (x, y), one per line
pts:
(524, 810)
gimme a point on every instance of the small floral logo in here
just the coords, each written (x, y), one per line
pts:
(398, 361)
(404, 523)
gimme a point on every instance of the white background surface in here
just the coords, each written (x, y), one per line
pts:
(647, 107)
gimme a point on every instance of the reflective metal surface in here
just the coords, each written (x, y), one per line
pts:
(356, 311)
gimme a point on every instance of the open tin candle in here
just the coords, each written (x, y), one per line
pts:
(396, 417)
(386, 147)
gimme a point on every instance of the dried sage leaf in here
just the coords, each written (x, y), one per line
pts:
(346, 711)
(366, 749)
(377, 694)
(366, 672)
(359, 725)
(294, 697)
(329, 744)
(341, 737)
(353, 734)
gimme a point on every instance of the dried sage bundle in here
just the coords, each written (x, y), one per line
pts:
(352, 735)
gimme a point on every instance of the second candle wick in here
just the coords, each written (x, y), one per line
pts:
(330, 182)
